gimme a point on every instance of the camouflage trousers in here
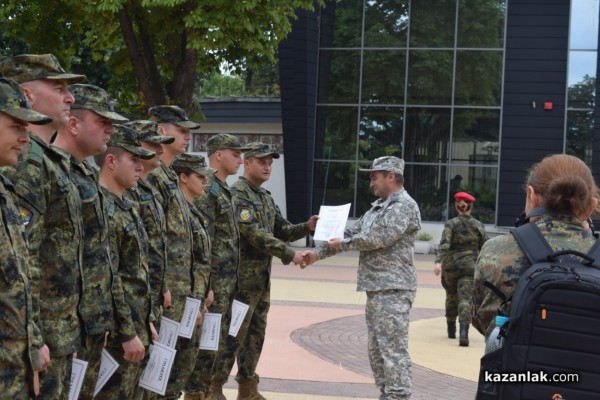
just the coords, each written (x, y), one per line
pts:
(248, 343)
(387, 326)
(15, 369)
(458, 284)
(55, 382)
(124, 383)
(200, 379)
(187, 351)
(91, 351)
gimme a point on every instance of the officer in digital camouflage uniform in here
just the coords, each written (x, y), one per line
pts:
(18, 358)
(385, 237)
(145, 199)
(462, 238)
(120, 168)
(263, 231)
(173, 122)
(51, 208)
(88, 130)
(224, 155)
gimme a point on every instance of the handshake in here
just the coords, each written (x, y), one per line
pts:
(304, 258)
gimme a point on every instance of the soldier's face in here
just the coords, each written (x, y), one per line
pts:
(128, 169)
(50, 97)
(154, 162)
(196, 183)
(13, 135)
(94, 132)
(182, 138)
(258, 170)
(230, 161)
(380, 184)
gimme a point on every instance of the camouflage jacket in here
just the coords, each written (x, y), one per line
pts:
(129, 255)
(224, 233)
(263, 231)
(145, 199)
(501, 260)
(178, 275)
(51, 210)
(16, 325)
(385, 238)
(201, 252)
(461, 241)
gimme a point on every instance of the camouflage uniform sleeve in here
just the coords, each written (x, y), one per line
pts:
(206, 203)
(483, 237)
(287, 231)
(324, 251)
(201, 260)
(445, 243)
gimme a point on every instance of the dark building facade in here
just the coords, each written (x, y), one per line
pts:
(469, 93)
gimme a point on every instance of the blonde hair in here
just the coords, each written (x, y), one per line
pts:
(463, 206)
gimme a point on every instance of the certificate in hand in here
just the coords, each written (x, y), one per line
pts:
(211, 331)
(332, 222)
(156, 374)
(77, 374)
(108, 366)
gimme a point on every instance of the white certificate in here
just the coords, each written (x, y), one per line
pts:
(238, 313)
(77, 375)
(108, 366)
(168, 332)
(188, 321)
(332, 222)
(156, 374)
(211, 331)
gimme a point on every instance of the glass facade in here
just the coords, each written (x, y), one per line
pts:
(421, 80)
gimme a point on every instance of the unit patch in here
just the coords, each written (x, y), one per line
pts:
(26, 215)
(245, 214)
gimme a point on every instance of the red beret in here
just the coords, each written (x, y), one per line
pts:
(464, 196)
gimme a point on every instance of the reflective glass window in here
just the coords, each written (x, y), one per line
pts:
(430, 77)
(380, 132)
(341, 23)
(582, 79)
(481, 23)
(427, 185)
(584, 24)
(384, 73)
(334, 184)
(336, 133)
(339, 72)
(427, 135)
(475, 137)
(478, 78)
(580, 126)
(386, 23)
(481, 183)
(432, 23)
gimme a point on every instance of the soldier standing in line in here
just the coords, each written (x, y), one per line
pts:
(173, 122)
(120, 168)
(51, 208)
(87, 132)
(18, 358)
(462, 239)
(263, 231)
(385, 237)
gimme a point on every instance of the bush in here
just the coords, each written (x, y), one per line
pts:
(424, 237)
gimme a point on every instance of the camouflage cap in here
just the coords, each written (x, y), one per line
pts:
(93, 98)
(194, 162)
(148, 131)
(258, 150)
(387, 163)
(30, 67)
(171, 115)
(127, 138)
(14, 103)
(223, 141)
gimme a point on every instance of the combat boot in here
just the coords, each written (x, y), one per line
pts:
(215, 392)
(248, 390)
(451, 329)
(463, 340)
(194, 396)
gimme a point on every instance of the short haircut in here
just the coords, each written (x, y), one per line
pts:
(100, 159)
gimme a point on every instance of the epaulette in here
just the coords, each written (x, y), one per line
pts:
(110, 209)
(145, 197)
(7, 183)
(36, 154)
(215, 188)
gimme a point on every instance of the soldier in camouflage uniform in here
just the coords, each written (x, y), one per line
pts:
(385, 237)
(561, 195)
(224, 155)
(18, 358)
(173, 122)
(120, 167)
(88, 130)
(263, 231)
(461, 241)
(51, 208)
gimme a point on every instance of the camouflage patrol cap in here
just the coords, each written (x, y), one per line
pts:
(31, 67)
(148, 131)
(126, 138)
(387, 163)
(171, 115)
(259, 150)
(14, 103)
(194, 162)
(93, 98)
(223, 141)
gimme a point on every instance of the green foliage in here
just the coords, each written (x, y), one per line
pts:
(424, 237)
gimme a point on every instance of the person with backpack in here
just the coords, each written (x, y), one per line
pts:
(462, 238)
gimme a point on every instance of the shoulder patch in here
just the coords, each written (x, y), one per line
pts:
(25, 214)
(36, 154)
(245, 214)
(214, 188)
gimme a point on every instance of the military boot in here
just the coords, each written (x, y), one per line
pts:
(463, 340)
(248, 390)
(215, 392)
(451, 329)
(194, 396)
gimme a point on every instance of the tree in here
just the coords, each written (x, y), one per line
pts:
(154, 48)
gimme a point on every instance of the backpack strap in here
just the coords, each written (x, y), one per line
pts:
(533, 243)
(594, 254)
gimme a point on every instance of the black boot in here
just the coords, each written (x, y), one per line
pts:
(451, 329)
(463, 340)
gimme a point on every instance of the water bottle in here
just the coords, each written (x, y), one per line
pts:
(494, 342)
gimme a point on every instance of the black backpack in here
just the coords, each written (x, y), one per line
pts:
(552, 340)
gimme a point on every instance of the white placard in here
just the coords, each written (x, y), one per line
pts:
(169, 330)
(211, 331)
(188, 321)
(238, 313)
(108, 366)
(77, 375)
(332, 222)
(156, 374)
